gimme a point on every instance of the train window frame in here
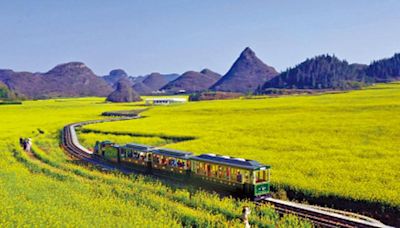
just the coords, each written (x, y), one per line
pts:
(199, 168)
(122, 153)
(129, 153)
(261, 179)
(149, 157)
(165, 161)
(222, 172)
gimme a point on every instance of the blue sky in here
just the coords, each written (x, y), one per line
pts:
(175, 36)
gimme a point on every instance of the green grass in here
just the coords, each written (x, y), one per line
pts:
(344, 145)
(46, 188)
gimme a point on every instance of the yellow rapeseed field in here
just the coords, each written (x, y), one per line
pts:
(343, 145)
(46, 188)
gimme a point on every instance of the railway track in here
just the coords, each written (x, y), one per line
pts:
(321, 217)
(318, 216)
(71, 145)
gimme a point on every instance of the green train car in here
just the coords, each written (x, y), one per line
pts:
(240, 177)
(243, 176)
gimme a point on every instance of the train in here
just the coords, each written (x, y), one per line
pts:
(237, 176)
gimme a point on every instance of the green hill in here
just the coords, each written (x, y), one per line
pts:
(6, 95)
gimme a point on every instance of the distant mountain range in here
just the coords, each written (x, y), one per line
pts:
(153, 82)
(144, 85)
(192, 81)
(248, 74)
(73, 79)
(114, 76)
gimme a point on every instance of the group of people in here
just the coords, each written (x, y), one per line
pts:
(175, 163)
(168, 161)
(25, 143)
(133, 154)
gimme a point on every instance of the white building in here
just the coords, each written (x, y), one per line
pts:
(165, 101)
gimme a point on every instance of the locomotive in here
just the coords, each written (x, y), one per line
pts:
(240, 177)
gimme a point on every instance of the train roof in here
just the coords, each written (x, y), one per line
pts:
(172, 153)
(229, 161)
(139, 146)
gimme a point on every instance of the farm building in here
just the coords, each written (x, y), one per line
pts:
(164, 101)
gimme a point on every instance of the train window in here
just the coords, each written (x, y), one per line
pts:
(123, 152)
(195, 166)
(208, 169)
(239, 176)
(261, 176)
(214, 172)
(246, 176)
(142, 156)
(200, 168)
(164, 161)
(233, 172)
(172, 162)
(181, 164)
(203, 168)
(222, 172)
(129, 154)
(156, 159)
(228, 173)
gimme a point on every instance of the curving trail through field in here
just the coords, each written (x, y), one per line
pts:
(319, 216)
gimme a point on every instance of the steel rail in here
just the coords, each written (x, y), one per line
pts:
(320, 217)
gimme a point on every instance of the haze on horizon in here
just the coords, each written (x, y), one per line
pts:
(175, 36)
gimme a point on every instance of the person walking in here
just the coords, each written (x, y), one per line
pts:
(245, 216)
(28, 145)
